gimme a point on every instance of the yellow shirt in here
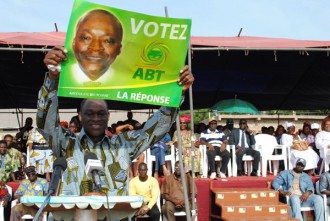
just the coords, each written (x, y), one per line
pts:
(149, 189)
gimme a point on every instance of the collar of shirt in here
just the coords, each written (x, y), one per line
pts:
(212, 132)
(80, 76)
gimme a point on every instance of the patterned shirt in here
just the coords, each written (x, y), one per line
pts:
(6, 167)
(37, 188)
(116, 153)
(41, 158)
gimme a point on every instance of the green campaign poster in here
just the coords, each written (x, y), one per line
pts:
(115, 54)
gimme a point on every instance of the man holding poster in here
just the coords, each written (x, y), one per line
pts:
(121, 55)
(96, 45)
(115, 153)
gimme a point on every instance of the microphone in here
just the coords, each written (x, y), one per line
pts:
(59, 166)
(92, 169)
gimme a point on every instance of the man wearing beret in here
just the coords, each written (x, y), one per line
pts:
(34, 186)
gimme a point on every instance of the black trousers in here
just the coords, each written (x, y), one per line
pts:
(154, 214)
(251, 152)
(225, 156)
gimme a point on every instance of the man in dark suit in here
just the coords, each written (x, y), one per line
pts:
(243, 139)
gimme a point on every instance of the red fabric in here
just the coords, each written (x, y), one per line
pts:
(13, 185)
(57, 38)
(3, 190)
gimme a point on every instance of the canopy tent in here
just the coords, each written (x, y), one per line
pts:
(271, 73)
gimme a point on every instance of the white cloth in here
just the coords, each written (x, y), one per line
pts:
(322, 141)
(81, 77)
(309, 155)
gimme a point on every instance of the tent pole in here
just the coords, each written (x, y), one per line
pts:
(182, 171)
(192, 138)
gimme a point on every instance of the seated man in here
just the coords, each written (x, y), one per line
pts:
(172, 192)
(216, 142)
(7, 166)
(34, 186)
(299, 187)
(243, 139)
(147, 187)
(325, 185)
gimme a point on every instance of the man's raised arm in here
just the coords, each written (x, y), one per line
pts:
(47, 114)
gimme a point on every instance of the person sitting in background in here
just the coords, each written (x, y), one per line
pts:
(243, 139)
(215, 142)
(271, 130)
(148, 187)
(187, 152)
(280, 130)
(311, 139)
(228, 127)
(159, 150)
(306, 131)
(324, 185)
(299, 148)
(16, 156)
(33, 186)
(172, 192)
(7, 166)
(299, 187)
(74, 126)
(322, 139)
(131, 121)
(23, 134)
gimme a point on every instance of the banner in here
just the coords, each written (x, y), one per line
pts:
(115, 54)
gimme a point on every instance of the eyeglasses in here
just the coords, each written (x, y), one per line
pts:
(213, 123)
(31, 174)
(242, 123)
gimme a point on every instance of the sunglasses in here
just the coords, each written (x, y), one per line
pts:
(31, 174)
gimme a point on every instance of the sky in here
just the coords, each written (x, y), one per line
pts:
(295, 19)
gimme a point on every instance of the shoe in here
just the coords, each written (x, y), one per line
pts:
(213, 176)
(240, 173)
(253, 173)
(222, 175)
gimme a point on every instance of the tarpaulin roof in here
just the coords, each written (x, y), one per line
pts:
(271, 73)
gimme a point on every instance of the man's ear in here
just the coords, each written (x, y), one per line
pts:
(119, 50)
(108, 115)
(74, 44)
(79, 116)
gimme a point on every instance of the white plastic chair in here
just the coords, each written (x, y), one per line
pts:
(247, 159)
(205, 166)
(151, 158)
(324, 197)
(266, 144)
